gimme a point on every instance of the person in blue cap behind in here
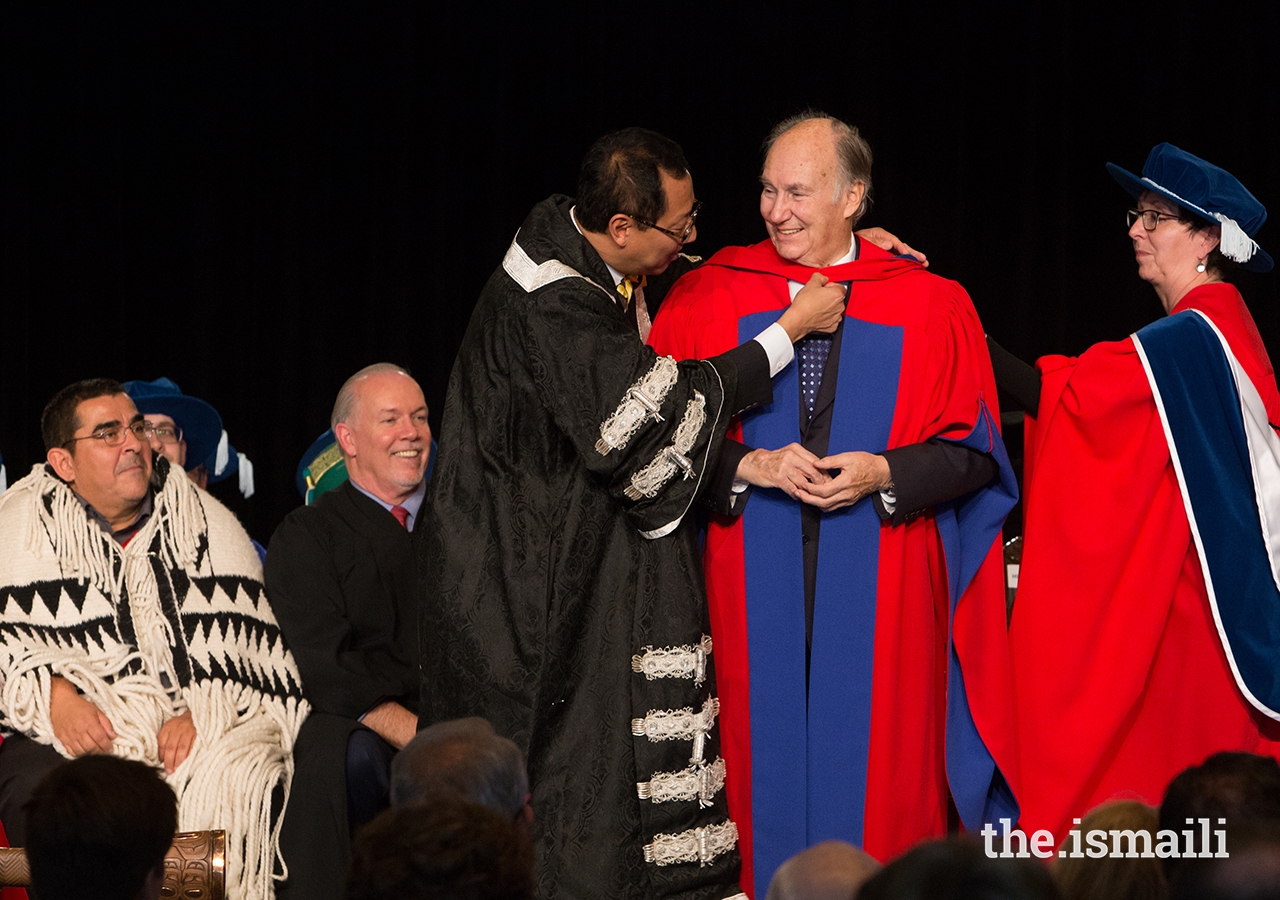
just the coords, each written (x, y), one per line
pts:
(226, 461)
(1146, 626)
(188, 432)
(187, 429)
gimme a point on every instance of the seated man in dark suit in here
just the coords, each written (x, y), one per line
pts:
(342, 579)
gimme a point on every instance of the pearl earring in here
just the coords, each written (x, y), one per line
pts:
(1200, 268)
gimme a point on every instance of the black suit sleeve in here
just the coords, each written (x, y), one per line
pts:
(754, 388)
(930, 473)
(1013, 376)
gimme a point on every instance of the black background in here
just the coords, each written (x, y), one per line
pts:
(258, 199)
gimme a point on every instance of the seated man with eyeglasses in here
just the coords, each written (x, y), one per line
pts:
(133, 622)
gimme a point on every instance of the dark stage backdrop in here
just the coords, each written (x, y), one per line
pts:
(257, 199)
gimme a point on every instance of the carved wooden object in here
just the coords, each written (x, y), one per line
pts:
(195, 868)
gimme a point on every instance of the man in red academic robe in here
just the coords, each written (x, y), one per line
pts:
(843, 670)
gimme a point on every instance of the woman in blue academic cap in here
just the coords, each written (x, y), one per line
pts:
(1146, 631)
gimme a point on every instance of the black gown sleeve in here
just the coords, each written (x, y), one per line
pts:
(754, 387)
(652, 427)
(720, 496)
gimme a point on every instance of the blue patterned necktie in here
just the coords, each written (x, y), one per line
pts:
(811, 353)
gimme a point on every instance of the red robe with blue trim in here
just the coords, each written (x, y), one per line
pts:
(1120, 677)
(861, 753)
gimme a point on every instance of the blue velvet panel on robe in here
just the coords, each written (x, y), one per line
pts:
(809, 754)
(809, 749)
(1195, 386)
(968, 526)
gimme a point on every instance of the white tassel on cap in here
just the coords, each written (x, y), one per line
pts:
(4, 479)
(1234, 244)
(246, 475)
(223, 457)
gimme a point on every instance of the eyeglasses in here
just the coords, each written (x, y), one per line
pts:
(1150, 218)
(113, 435)
(166, 434)
(675, 235)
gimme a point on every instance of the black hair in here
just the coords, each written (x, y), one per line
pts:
(96, 826)
(1249, 870)
(620, 174)
(958, 869)
(1242, 788)
(446, 850)
(58, 422)
(462, 758)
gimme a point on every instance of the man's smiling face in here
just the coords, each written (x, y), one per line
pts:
(806, 209)
(386, 440)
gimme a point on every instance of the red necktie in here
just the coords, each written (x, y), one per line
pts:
(402, 515)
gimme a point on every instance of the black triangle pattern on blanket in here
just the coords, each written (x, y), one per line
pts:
(247, 652)
(261, 644)
(237, 628)
(50, 593)
(91, 636)
(230, 584)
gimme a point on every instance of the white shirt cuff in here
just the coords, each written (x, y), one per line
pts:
(890, 501)
(777, 346)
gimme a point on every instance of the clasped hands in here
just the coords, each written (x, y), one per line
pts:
(829, 483)
(83, 728)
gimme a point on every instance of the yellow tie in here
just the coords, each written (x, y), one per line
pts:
(627, 286)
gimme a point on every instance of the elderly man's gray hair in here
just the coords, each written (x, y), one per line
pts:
(461, 758)
(345, 403)
(853, 153)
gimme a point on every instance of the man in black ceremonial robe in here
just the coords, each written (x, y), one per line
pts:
(343, 581)
(562, 596)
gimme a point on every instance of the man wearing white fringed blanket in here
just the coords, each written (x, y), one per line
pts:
(133, 621)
